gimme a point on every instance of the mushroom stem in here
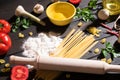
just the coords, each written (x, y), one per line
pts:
(20, 11)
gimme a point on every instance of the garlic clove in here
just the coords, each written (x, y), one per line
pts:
(103, 14)
(38, 9)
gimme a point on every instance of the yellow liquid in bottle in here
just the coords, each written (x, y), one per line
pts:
(113, 6)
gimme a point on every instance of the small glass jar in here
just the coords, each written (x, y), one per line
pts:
(112, 5)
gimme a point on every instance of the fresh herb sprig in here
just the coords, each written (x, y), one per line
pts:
(92, 4)
(20, 22)
(109, 49)
(85, 13)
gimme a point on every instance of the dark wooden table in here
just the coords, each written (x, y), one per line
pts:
(7, 9)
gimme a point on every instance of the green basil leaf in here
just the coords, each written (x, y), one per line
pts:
(17, 20)
(14, 30)
(104, 52)
(108, 50)
(24, 21)
(92, 4)
(25, 26)
(108, 45)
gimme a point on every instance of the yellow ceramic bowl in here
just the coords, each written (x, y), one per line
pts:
(60, 13)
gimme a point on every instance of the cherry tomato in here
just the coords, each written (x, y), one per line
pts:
(4, 26)
(19, 73)
(75, 1)
(5, 43)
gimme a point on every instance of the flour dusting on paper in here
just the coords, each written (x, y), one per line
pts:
(41, 45)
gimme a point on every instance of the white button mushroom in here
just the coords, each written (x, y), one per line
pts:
(103, 14)
(38, 9)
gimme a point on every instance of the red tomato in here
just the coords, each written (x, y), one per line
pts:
(75, 1)
(5, 43)
(4, 26)
(19, 73)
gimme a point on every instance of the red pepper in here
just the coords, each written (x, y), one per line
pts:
(4, 26)
(19, 72)
(113, 33)
(105, 26)
(75, 1)
(5, 43)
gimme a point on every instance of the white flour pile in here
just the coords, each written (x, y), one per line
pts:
(40, 45)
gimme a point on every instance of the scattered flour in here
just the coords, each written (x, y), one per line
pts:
(41, 45)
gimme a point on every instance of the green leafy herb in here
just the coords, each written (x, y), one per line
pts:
(85, 13)
(92, 4)
(104, 52)
(17, 20)
(20, 22)
(109, 49)
(25, 23)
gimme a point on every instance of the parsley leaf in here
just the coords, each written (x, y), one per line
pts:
(109, 49)
(85, 13)
(92, 4)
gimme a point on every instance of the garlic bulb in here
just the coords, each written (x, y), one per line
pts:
(103, 14)
(38, 8)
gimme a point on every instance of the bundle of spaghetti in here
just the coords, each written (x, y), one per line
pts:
(80, 47)
(69, 43)
(74, 45)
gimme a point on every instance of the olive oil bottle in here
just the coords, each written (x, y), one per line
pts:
(112, 5)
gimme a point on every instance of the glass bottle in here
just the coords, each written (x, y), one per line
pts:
(112, 5)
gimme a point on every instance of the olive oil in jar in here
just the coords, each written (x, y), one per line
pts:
(112, 5)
